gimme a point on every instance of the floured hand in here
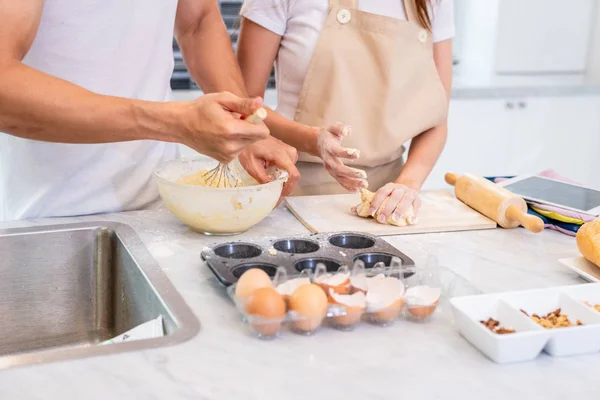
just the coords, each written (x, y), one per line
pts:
(331, 151)
(389, 210)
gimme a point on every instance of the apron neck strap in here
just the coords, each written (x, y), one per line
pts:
(351, 4)
(410, 8)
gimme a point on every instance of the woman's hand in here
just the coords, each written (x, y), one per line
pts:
(400, 200)
(330, 150)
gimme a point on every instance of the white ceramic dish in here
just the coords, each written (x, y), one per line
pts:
(217, 211)
(523, 345)
(588, 292)
(582, 267)
(563, 341)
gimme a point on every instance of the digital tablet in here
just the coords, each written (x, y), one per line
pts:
(555, 193)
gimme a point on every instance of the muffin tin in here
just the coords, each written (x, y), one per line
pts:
(229, 261)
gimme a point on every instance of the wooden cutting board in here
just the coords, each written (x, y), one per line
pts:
(440, 212)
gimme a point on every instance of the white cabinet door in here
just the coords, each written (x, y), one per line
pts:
(477, 140)
(523, 136)
(543, 35)
(561, 133)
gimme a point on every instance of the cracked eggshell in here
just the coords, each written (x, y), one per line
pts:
(385, 299)
(422, 301)
(287, 288)
(355, 305)
(338, 281)
(360, 283)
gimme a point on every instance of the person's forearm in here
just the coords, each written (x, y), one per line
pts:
(209, 57)
(302, 137)
(424, 152)
(38, 106)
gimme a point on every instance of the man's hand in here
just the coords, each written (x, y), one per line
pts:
(259, 156)
(330, 150)
(212, 125)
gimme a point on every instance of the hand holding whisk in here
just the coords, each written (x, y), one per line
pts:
(222, 175)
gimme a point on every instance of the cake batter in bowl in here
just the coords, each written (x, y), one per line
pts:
(213, 210)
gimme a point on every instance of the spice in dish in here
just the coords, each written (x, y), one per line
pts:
(554, 319)
(595, 306)
(495, 327)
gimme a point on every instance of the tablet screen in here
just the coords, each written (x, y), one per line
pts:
(560, 193)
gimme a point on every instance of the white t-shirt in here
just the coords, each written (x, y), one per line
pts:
(111, 47)
(299, 22)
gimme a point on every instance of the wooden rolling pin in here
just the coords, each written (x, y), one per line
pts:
(493, 201)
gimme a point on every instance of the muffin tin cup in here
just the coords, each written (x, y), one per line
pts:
(228, 261)
(531, 338)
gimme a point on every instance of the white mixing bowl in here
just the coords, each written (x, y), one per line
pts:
(217, 211)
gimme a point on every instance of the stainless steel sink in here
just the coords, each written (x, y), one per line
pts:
(66, 288)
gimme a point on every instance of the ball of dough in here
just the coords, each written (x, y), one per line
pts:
(362, 210)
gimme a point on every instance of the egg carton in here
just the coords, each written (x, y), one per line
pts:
(229, 261)
(405, 306)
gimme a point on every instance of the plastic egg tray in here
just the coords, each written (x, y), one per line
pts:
(229, 261)
(341, 318)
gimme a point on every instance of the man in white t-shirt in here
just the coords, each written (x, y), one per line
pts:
(84, 103)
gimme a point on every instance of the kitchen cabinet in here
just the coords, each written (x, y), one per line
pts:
(543, 36)
(522, 136)
(560, 133)
(476, 134)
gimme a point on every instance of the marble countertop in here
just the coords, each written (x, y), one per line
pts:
(521, 87)
(407, 360)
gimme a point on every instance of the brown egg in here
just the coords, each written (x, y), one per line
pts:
(310, 303)
(267, 309)
(250, 281)
(287, 288)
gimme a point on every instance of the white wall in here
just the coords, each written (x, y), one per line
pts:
(594, 57)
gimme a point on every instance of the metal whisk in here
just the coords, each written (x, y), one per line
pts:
(222, 175)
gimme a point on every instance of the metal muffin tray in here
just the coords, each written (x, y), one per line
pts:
(229, 261)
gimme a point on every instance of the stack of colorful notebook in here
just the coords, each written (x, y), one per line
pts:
(556, 218)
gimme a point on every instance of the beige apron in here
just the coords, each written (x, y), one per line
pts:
(377, 74)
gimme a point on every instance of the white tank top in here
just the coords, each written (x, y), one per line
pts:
(112, 47)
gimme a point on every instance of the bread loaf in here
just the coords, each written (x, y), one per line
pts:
(588, 241)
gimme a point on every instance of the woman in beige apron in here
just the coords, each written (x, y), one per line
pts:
(379, 75)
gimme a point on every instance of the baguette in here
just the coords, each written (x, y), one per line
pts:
(588, 241)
